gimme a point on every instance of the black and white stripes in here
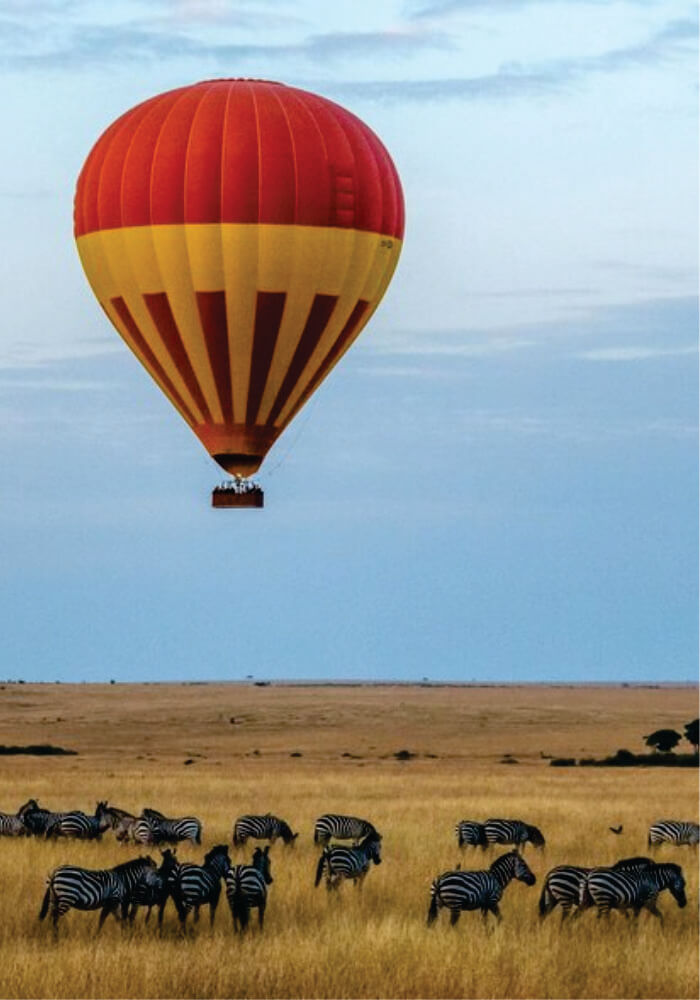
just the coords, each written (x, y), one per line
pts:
(267, 827)
(246, 888)
(477, 890)
(70, 887)
(349, 862)
(615, 889)
(673, 831)
(336, 826)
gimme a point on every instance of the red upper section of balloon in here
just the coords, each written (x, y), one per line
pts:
(239, 151)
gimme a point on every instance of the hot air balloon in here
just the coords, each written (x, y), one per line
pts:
(238, 234)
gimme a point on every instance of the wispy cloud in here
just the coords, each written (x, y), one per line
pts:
(635, 353)
(442, 8)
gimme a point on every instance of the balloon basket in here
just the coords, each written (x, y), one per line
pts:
(237, 495)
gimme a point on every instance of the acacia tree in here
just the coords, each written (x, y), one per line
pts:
(691, 733)
(663, 740)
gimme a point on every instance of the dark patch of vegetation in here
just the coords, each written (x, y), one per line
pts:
(296, 753)
(188, 761)
(663, 740)
(405, 755)
(625, 758)
(37, 750)
(562, 762)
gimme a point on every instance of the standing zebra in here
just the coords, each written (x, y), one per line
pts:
(477, 890)
(153, 827)
(193, 886)
(472, 834)
(342, 828)
(246, 888)
(349, 862)
(512, 831)
(610, 889)
(267, 827)
(35, 819)
(12, 825)
(78, 824)
(85, 889)
(562, 885)
(673, 831)
(152, 889)
(120, 821)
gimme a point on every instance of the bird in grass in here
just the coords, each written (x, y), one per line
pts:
(615, 829)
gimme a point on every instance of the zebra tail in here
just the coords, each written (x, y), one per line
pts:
(240, 909)
(319, 869)
(45, 905)
(433, 908)
(545, 901)
(198, 838)
(584, 896)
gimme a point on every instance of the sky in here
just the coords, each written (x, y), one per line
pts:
(498, 484)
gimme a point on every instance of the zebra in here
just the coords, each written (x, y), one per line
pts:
(342, 828)
(193, 886)
(12, 825)
(512, 831)
(118, 820)
(562, 885)
(267, 827)
(78, 824)
(477, 890)
(153, 827)
(152, 889)
(349, 862)
(673, 831)
(472, 834)
(246, 888)
(86, 889)
(35, 819)
(610, 889)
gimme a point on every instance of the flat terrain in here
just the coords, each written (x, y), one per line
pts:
(133, 742)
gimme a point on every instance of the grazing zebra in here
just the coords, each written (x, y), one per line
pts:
(12, 825)
(267, 827)
(673, 831)
(512, 831)
(193, 886)
(246, 888)
(118, 820)
(153, 827)
(342, 828)
(610, 889)
(477, 890)
(349, 862)
(78, 824)
(562, 885)
(472, 834)
(152, 889)
(86, 889)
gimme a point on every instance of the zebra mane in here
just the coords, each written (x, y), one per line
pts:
(134, 865)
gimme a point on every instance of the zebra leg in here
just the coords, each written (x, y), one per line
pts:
(213, 903)
(651, 906)
(108, 908)
(454, 917)
(261, 913)
(196, 912)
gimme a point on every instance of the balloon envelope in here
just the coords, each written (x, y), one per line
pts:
(239, 234)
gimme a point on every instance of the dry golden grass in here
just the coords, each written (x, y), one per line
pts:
(132, 743)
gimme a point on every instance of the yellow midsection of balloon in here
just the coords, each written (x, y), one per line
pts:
(241, 260)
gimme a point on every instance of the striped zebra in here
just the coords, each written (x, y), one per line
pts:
(36, 819)
(78, 824)
(610, 889)
(120, 821)
(477, 890)
(193, 886)
(472, 834)
(69, 887)
(562, 885)
(246, 888)
(267, 827)
(152, 827)
(673, 831)
(152, 889)
(12, 825)
(512, 831)
(349, 862)
(341, 828)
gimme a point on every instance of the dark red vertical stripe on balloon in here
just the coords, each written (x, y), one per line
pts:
(344, 339)
(268, 316)
(212, 313)
(317, 321)
(148, 358)
(162, 315)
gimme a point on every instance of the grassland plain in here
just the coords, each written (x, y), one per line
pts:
(132, 742)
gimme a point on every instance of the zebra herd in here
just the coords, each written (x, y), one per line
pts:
(631, 883)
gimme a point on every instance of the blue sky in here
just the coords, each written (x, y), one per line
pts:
(500, 481)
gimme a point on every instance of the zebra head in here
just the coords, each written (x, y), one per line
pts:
(261, 861)
(534, 835)
(512, 865)
(372, 847)
(670, 877)
(168, 865)
(103, 817)
(218, 859)
(286, 832)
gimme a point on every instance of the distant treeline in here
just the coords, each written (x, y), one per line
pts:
(625, 758)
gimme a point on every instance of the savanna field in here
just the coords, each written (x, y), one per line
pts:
(480, 752)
